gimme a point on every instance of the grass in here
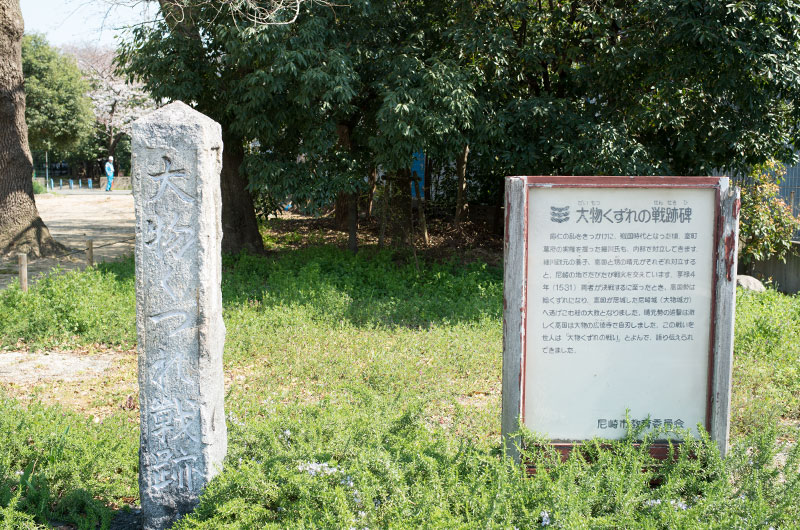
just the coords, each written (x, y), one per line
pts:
(364, 391)
(58, 465)
(71, 309)
(766, 377)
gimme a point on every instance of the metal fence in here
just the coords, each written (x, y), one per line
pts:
(790, 191)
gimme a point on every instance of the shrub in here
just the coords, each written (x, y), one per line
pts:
(766, 222)
(76, 307)
(38, 189)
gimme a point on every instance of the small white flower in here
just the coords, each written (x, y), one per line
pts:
(361, 515)
(545, 518)
(234, 420)
(316, 468)
(652, 502)
(19, 473)
(679, 504)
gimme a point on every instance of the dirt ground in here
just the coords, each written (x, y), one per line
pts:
(76, 378)
(73, 218)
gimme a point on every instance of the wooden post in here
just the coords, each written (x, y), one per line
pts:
(514, 303)
(725, 309)
(89, 253)
(23, 271)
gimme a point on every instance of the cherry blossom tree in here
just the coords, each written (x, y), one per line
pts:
(117, 102)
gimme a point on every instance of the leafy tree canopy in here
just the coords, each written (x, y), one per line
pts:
(320, 101)
(58, 112)
(534, 87)
(639, 87)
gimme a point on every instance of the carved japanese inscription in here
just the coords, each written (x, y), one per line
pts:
(176, 164)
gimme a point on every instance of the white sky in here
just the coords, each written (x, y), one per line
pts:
(78, 21)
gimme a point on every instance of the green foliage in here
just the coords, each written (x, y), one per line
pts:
(58, 112)
(363, 393)
(96, 305)
(369, 290)
(346, 90)
(766, 384)
(766, 222)
(601, 88)
(376, 463)
(60, 465)
(637, 87)
(38, 188)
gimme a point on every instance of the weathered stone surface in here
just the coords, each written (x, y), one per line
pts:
(176, 165)
(750, 283)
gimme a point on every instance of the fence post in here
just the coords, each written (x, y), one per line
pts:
(23, 271)
(89, 253)
(90, 183)
(70, 183)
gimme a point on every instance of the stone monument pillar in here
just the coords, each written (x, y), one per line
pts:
(176, 159)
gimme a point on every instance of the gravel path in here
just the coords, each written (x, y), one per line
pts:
(74, 217)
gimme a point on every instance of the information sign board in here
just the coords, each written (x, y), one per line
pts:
(618, 297)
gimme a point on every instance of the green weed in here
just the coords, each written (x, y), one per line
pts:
(58, 465)
(766, 376)
(71, 308)
(376, 463)
(364, 391)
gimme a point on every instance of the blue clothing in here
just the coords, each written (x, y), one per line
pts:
(109, 174)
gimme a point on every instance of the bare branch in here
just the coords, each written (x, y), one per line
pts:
(256, 12)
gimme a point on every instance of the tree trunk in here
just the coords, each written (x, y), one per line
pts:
(387, 191)
(423, 225)
(352, 239)
(428, 176)
(461, 193)
(239, 225)
(341, 211)
(404, 220)
(21, 228)
(373, 183)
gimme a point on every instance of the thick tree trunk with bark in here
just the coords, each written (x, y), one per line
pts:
(341, 211)
(346, 208)
(21, 228)
(461, 193)
(239, 224)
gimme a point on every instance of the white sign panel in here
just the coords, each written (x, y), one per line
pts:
(619, 300)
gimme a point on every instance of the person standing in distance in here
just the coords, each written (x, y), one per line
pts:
(110, 172)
